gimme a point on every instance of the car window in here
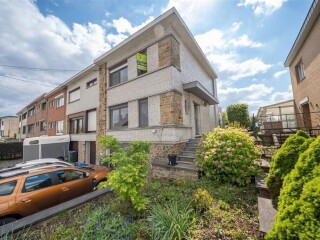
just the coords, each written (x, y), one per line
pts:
(37, 182)
(7, 188)
(69, 175)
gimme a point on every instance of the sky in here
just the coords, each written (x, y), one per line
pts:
(45, 42)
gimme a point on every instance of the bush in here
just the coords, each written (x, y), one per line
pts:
(131, 169)
(202, 200)
(228, 156)
(299, 200)
(285, 159)
(171, 222)
(239, 113)
(103, 225)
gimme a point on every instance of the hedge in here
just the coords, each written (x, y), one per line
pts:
(11, 150)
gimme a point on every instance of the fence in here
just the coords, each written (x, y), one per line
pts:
(11, 150)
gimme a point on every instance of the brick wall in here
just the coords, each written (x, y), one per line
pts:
(160, 151)
(169, 52)
(171, 108)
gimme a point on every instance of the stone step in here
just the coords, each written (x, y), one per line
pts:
(195, 140)
(264, 164)
(195, 145)
(180, 171)
(186, 159)
(188, 153)
(261, 185)
(186, 163)
(267, 214)
(191, 149)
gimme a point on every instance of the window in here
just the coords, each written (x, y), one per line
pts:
(92, 121)
(44, 106)
(37, 182)
(119, 116)
(74, 95)
(92, 83)
(31, 112)
(59, 127)
(2, 123)
(43, 126)
(186, 106)
(31, 128)
(143, 112)
(119, 75)
(300, 71)
(76, 125)
(142, 62)
(51, 103)
(24, 130)
(24, 116)
(7, 188)
(69, 175)
(59, 101)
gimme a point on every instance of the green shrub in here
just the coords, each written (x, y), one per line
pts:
(299, 200)
(202, 199)
(285, 159)
(228, 155)
(171, 222)
(131, 170)
(102, 225)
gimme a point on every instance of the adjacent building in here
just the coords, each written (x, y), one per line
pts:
(304, 64)
(8, 127)
(157, 86)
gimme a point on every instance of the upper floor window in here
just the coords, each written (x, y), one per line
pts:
(300, 71)
(92, 83)
(74, 95)
(59, 101)
(31, 112)
(76, 125)
(119, 116)
(43, 105)
(31, 128)
(24, 116)
(142, 62)
(143, 112)
(119, 74)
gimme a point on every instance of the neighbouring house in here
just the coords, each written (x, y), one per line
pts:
(9, 127)
(56, 117)
(158, 86)
(277, 118)
(81, 113)
(304, 64)
(22, 131)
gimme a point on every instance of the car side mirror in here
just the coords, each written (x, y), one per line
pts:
(86, 174)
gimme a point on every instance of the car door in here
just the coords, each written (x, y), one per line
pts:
(38, 193)
(73, 183)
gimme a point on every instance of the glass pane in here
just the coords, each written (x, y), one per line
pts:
(80, 122)
(7, 188)
(143, 112)
(69, 175)
(115, 116)
(124, 117)
(114, 78)
(37, 182)
(124, 74)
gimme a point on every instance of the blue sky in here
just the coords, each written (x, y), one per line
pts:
(246, 41)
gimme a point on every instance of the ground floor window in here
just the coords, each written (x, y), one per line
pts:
(59, 127)
(76, 126)
(31, 128)
(43, 126)
(143, 112)
(119, 116)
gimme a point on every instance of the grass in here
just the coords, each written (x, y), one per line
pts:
(232, 214)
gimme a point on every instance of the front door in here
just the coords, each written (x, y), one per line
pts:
(93, 152)
(197, 119)
(306, 116)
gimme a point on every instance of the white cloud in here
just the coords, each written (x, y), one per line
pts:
(123, 26)
(146, 10)
(244, 41)
(211, 40)
(115, 39)
(192, 12)
(251, 92)
(262, 7)
(280, 73)
(235, 26)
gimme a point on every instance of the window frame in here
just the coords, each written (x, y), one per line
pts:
(28, 130)
(72, 91)
(43, 104)
(77, 120)
(87, 122)
(300, 73)
(92, 83)
(116, 69)
(56, 124)
(118, 107)
(43, 126)
(143, 101)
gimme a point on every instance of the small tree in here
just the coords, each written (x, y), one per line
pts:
(239, 113)
(131, 169)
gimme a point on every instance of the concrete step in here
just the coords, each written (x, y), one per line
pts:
(191, 149)
(194, 145)
(264, 164)
(188, 153)
(186, 162)
(261, 185)
(186, 159)
(195, 140)
(267, 214)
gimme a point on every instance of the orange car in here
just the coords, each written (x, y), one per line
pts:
(29, 189)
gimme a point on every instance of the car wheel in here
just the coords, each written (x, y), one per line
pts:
(6, 220)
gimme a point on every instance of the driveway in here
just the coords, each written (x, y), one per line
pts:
(8, 163)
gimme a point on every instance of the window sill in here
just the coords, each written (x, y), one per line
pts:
(75, 101)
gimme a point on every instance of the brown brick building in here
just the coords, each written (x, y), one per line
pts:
(304, 64)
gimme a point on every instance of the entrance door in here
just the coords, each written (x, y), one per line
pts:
(93, 152)
(197, 118)
(306, 116)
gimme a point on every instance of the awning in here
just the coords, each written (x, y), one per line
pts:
(198, 90)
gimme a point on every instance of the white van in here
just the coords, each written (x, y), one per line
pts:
(46, 147)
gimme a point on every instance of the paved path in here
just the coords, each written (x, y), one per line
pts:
(8, 163)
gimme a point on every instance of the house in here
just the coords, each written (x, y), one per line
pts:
(158, 86)
(304, 64)
(9, 127)
(155, 86)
